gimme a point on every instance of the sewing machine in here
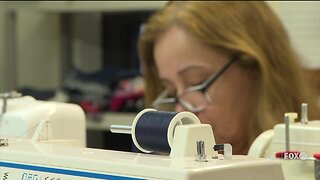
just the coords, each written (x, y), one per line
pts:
(46, 140)
(294, 143)
(30, 119)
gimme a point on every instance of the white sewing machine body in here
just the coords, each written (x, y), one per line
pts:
(49, 153)
(56, 161)
(28, 118)
(304, 138)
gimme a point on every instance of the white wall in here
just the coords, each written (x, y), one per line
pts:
(2, 65)
(87, 42)
(302, 20)
(38, 53)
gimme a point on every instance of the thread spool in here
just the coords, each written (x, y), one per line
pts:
(153, 131)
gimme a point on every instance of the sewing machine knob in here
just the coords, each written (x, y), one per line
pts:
(304, 113)
(201, 155)
(4, 142)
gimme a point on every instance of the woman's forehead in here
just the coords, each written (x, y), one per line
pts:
(179, 50)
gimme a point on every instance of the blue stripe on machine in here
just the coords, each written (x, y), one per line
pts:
(65, 171)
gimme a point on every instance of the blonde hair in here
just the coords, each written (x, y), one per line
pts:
(249, 29)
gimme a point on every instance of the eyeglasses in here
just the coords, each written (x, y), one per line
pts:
(194, 98)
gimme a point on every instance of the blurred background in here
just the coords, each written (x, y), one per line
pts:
(85, 52)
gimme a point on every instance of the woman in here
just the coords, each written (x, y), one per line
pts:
(231, 63)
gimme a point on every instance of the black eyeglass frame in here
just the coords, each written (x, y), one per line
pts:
(203, 87)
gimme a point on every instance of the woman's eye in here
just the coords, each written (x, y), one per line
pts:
(195, 82)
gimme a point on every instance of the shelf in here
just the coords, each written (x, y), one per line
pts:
(40, 22)
(83, 6)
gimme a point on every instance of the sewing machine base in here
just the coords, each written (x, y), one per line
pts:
(37, 160)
